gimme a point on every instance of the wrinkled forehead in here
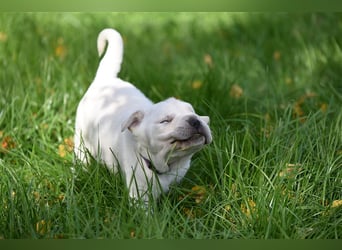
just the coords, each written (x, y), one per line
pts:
(172, 106)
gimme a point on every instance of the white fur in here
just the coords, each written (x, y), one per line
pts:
(123, 129)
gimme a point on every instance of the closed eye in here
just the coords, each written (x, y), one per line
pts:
(166, 120)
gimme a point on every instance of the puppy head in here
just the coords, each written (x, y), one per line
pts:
(168, 132)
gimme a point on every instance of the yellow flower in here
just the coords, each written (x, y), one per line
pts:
(208, 60)
(66, 147)
(324, 107)
(336, 203)
(7, 143)
(196, 84)
(61, 150)
(297, 110)
(189, 212)
(61, 197)
(43, 227)
(36, 195)
(60, 49)
(276, 55)
(249, 208)
(227, 208)
(3, 36)
(69, 143)
(236, 91)
(297, 107)
(132, 234)
(288, 80)
(291, 171)
(199, 193)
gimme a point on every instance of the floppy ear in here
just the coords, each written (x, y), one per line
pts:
(133, 121)
(206, 119)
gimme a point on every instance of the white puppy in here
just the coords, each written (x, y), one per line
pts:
(151, 143)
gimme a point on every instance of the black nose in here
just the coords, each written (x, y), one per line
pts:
(194, 122)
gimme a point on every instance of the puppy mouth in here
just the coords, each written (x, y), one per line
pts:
(193, 140)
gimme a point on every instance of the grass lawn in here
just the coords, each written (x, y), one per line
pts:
(271, 84)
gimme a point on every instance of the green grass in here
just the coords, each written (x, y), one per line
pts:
(272, 171)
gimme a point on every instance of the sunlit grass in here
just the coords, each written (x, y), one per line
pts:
(271, 84)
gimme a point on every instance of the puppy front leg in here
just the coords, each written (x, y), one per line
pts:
(143, 187)
(137, 186)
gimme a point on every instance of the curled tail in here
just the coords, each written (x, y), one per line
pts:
(111, 62)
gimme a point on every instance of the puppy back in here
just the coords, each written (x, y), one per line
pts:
(110, 64)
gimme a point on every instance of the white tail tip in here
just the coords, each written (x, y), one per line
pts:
(111, 62)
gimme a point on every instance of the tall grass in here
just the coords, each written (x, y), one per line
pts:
(271, 84)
